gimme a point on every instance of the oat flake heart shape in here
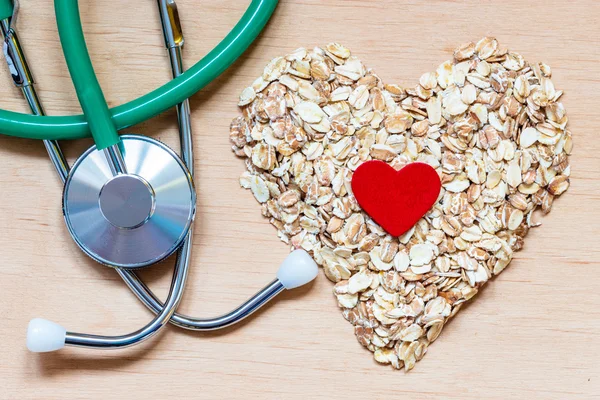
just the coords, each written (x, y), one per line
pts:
(396, 200)
(490, 124)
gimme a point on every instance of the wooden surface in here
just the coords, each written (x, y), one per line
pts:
(533, 333)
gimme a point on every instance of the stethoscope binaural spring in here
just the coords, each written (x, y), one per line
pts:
(129, 201)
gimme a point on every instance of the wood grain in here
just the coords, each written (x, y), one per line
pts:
(532, 333)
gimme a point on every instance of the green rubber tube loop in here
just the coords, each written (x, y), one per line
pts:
(6, 9)
(157, 101)
(84, 78)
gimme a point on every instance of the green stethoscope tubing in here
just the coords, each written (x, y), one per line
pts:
(6, 9)
(86, 84)
(141, 109)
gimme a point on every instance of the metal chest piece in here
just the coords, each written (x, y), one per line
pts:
(130, 220)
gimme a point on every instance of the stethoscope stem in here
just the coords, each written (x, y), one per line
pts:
(115, 160)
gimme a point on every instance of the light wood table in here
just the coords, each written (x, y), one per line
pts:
(532, 333)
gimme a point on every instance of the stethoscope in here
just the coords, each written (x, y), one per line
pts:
(129, 201)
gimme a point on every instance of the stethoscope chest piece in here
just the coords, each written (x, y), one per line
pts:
(135, 219)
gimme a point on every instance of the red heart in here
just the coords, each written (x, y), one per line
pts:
(396, 200)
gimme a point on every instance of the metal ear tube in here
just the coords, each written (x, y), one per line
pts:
(296, 270)
(23, 79)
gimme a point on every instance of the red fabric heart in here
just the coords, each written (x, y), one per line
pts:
(396, 200)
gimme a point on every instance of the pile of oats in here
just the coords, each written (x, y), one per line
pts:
(489, 122)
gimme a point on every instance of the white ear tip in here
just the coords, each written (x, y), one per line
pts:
(297, 269)
(44, 336)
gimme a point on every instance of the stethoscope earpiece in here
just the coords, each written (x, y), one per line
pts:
(297, 270)
(44, 336)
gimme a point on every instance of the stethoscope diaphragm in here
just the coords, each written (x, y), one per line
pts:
(130, 220)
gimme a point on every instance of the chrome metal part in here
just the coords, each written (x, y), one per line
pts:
(122, 341)
(114, 157)
(183, 111)
(127, 201)
(13, 46)
(169, 17)
(160, 204)
(15, 58)
(255, 302)
(173, 35)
